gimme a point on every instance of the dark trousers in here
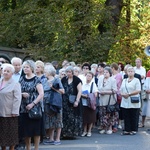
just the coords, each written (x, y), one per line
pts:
(131, 118)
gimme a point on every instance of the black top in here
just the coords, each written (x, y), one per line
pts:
(74, 83)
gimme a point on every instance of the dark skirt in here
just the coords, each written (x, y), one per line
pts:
(30, 127)
(89, 115)
(8, 131)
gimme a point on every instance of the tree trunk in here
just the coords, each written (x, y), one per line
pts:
(115, 11)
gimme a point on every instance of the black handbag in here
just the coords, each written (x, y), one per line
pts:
(35, 112)
(135, 99)
(112, 108)
(72, 98)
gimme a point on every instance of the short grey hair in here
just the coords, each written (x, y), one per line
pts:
(50, 70)
(77, 68)
(94, 65)
(69, 68)
(16, 59)
(6, 65)
(130, 68)
(31, 63)
(62, 70)
(127, 66)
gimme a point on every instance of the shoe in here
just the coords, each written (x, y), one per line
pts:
(109, 132)
(134, 132)
(84, 134)
(57, 142)
(89, 134)
(119, 127)
(48, 142)
(141, 126)
(102, 131)
(126, 133)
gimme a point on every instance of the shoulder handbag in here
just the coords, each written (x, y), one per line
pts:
(91, 99)
(35, 112)
(134, 99)
(112, 108)
(72, 98)
(55, 99)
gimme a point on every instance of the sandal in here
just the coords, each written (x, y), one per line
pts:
(126, 133)
(141, 126)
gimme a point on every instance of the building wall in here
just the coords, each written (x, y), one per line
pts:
(13, 52)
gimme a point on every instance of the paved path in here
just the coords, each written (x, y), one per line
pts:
(115, 141)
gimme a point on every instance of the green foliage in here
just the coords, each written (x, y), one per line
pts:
(70, 29)
(132, 37)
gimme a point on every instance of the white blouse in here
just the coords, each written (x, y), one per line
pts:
(129, 87)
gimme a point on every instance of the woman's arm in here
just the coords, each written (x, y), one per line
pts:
(40, 96)
(40, 90)
(79, 88)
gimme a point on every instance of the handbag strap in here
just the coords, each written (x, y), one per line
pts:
(109, 99)
(113, 97)
(126, 87)
(91, 89)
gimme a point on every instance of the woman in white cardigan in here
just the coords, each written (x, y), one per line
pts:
(130, 87)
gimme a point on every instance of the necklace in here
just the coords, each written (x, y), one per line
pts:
(129, 80)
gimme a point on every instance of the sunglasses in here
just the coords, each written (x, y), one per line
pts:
(85, 68)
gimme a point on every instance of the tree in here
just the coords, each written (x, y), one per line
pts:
(87, 30)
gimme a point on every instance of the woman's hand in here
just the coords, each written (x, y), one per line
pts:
(126, 95)
(25, 95)
(84, 95)
(102, 93)
(76, 103)
(29, 106)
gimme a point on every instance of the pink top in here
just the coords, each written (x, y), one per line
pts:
(118, 78)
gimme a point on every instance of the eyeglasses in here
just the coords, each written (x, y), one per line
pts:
(63, 74)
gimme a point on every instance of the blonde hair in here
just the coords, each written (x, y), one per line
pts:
(41, 64)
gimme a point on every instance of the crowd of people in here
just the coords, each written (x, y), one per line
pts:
(62, 93)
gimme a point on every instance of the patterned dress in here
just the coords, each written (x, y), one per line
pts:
(29, 127)
(72, 116)
(52, 119)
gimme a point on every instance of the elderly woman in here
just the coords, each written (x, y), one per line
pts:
(32, 94)
(53, 117)
(118, 77)
(62, 73)
(10, 99)
(85, 68)
(76, 71)
(71, 111)
(89, 115)
(107, 88)
(130, 87)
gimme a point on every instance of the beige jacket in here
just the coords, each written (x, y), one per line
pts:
(110, 85)
(10, 98)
